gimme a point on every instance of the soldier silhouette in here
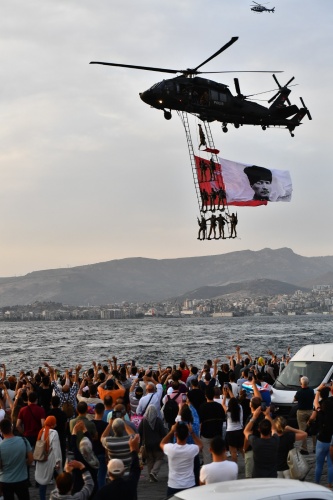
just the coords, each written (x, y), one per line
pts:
(204, 199)
(212, 198)
(212, 168)
(221, 196)
(213, 223)
(233, 223)
(202, 137)
(203, 169)
(202, 228)
(221, 221)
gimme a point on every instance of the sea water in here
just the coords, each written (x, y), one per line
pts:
(27, 345)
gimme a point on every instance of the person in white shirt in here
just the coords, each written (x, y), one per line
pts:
(220, 469)
(180, 457)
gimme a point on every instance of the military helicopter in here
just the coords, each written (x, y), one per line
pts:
(210, 100)
(261, 8)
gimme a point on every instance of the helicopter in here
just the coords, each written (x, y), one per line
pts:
(212, 101)
(261, 8)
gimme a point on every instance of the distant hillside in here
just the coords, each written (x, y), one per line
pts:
(324, 279)
(251, 288)
(140, 279)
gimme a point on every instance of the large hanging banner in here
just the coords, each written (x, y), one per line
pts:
(243, 184)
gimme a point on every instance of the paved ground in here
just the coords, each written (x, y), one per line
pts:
(157, 491)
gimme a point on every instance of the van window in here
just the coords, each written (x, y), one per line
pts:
(315, 371)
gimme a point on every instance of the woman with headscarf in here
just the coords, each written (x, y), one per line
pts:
(45, 470)
(151, 430)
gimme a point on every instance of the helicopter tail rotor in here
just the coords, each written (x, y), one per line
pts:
(306, 109)
(281, 89)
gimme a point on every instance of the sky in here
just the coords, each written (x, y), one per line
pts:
(89, 173)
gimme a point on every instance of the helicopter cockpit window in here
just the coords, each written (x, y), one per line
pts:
(155, 86)
(218, 96)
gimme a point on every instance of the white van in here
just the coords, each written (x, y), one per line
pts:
(314, 361)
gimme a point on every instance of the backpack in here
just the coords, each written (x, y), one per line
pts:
(170, 410)
(40, 454)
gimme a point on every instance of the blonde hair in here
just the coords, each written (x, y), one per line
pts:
(280, 424)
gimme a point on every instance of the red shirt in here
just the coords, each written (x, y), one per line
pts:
(31, 417)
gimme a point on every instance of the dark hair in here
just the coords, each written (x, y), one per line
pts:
(64, 482)
(46, 380)
(186, 414)
(82, 407)
(55, 401)
(99, 408)
(108, 400)
(234, 409)
(6, 426)
(182, 365)
(265, 427)
(209, 392)
(218, 445)
(255, 402)
(195, 382)
(324, 392)
(181, 431)
(92, 390)
(232, 377)
(194, 370)
(32, 397)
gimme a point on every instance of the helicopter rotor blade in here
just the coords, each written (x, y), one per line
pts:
(237, 87)
(306, 109)
(146, 68)
(267, 91)
(227, 45)
(237, 71)
(274, 97)
(276, 81)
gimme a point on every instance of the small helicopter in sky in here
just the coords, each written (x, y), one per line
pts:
(213, 101)
(261, 8)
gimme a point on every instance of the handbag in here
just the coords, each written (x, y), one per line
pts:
(40, 452)
(297, 464)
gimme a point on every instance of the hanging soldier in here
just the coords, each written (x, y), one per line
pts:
(202, 137)
(202, 228)
(233, 223)
(204, 200)
(212, 198)
(212, 168)
(221, 197)
(212, 220)
(203, 169)
(221, 221)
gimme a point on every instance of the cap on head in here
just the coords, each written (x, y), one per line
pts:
(116, 467)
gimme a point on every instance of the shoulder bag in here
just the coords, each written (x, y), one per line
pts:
(297, 464)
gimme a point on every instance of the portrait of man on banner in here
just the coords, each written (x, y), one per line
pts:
(248, 184)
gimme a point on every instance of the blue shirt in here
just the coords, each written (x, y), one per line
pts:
(13, 454)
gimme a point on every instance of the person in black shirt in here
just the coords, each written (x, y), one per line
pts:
(196, 396)
(265, 447)
(304, 397)
(61, 419)
(211, 416)
(119, 487)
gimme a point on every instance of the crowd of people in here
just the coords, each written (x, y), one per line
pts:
(93, 430)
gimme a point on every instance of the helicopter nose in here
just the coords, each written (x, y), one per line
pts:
(144, 97)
